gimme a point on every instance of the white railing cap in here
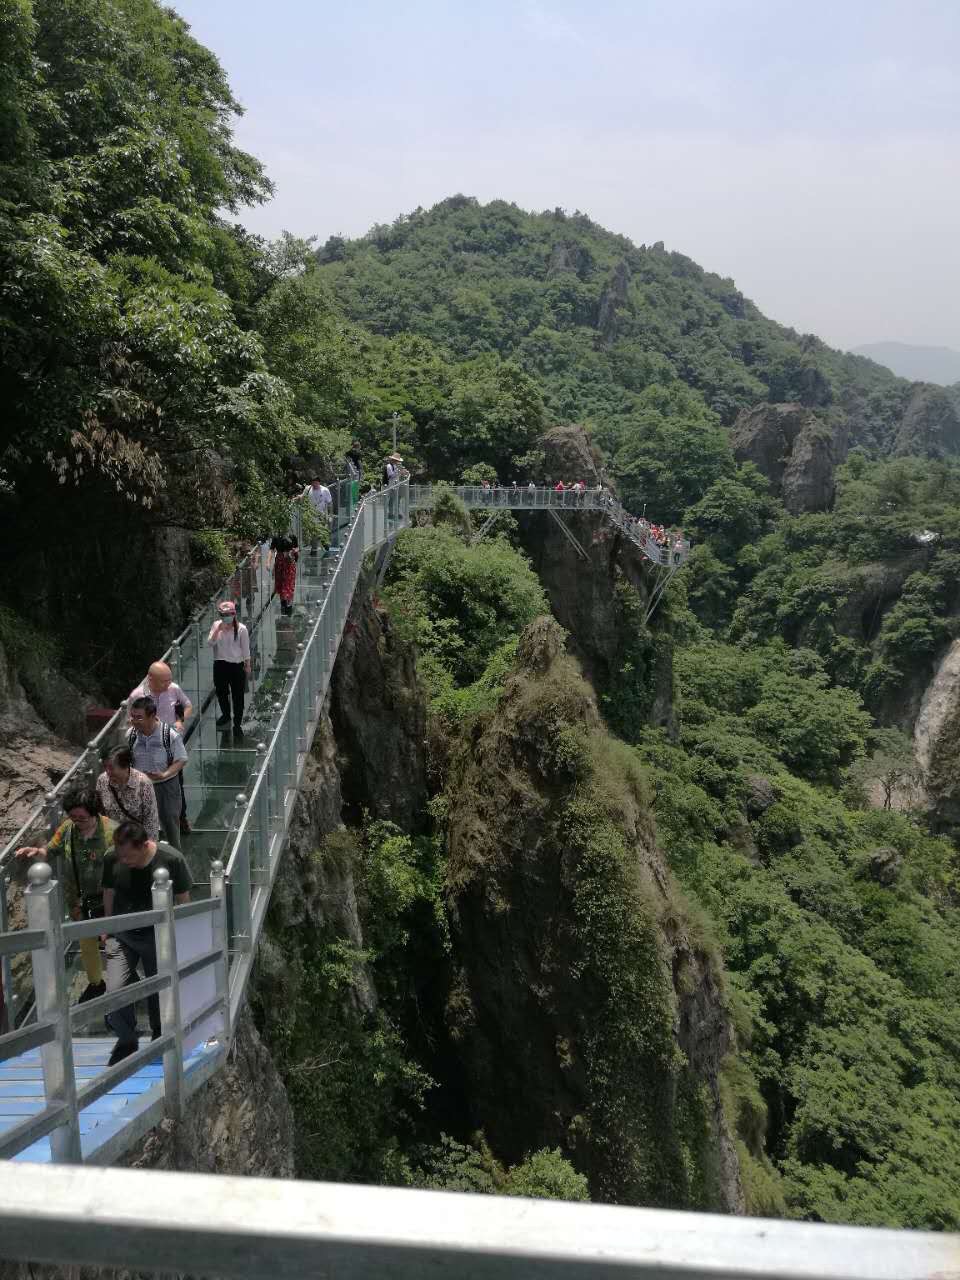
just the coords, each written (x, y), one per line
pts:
(256, 1228)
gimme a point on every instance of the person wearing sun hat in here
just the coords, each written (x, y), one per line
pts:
(391, 478)
(231, 664)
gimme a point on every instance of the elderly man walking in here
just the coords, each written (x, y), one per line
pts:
(173, 705)
(158, 751)
(173, 708)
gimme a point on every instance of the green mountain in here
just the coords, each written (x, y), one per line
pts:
(645, 908)
(621, 338)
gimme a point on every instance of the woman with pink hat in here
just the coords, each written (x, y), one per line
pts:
(231, 664)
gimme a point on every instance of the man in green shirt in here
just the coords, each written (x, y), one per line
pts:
(128, 872)
(76, 851)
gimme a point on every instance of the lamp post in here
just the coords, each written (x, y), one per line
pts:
(396, 415)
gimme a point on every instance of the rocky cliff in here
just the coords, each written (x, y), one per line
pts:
(601, 601)
(588, 1012)
(795, 449)
(930, 426)
(937, 742)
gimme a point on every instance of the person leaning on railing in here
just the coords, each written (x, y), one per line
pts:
(77, 850)
(128, 871)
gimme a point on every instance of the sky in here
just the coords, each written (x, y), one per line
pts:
(807, 149)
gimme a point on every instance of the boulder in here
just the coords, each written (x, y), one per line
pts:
(761, 794)
(884, 865)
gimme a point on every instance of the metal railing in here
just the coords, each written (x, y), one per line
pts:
(255, 1229)
(251, 842)
(355, 527)
(672, 551)
(190, 984)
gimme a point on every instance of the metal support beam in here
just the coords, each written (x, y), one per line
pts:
(662, 580)
(568, 534)
(486, 526)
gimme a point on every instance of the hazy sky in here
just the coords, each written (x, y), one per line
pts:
(808, 149)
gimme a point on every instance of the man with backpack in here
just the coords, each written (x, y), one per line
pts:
(158, 751)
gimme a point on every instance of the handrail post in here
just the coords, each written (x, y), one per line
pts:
(302, 694)
(51, 808)
(166, 942)
(218, 890)
(263, 803)
(44, 911)
(240, 879)
(8, 1005)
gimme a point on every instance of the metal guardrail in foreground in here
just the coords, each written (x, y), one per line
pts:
(190, 983)
(254, 1229)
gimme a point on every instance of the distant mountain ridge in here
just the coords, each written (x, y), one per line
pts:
(920, 364)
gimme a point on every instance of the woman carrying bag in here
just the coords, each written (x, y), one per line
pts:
(231, 664)
(77, 849)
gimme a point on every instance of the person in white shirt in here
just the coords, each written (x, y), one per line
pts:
(231, 664)
(321, 499)
(173, 705)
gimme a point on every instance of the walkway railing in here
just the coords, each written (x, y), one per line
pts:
(238, 835)
(254, 1229)
(671, 552)
(292, 663)
(190, 986)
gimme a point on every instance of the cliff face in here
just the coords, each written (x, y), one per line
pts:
(32, 757)
(600, 602)
(937, 742)
(794, 449)
(930, 425)
(379, 718)
(587, 1011)
(239, 1123)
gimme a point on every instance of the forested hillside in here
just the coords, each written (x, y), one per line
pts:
(730, 820)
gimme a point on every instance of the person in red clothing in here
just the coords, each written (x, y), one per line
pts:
(286, 555)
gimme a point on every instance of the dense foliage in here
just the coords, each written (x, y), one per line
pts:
(162, 370)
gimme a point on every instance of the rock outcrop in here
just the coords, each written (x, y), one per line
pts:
(614, 297)
(600, 604)
(587, 1012)
(794, 449)
(379, 718)
(937, 742)
(931, 424)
